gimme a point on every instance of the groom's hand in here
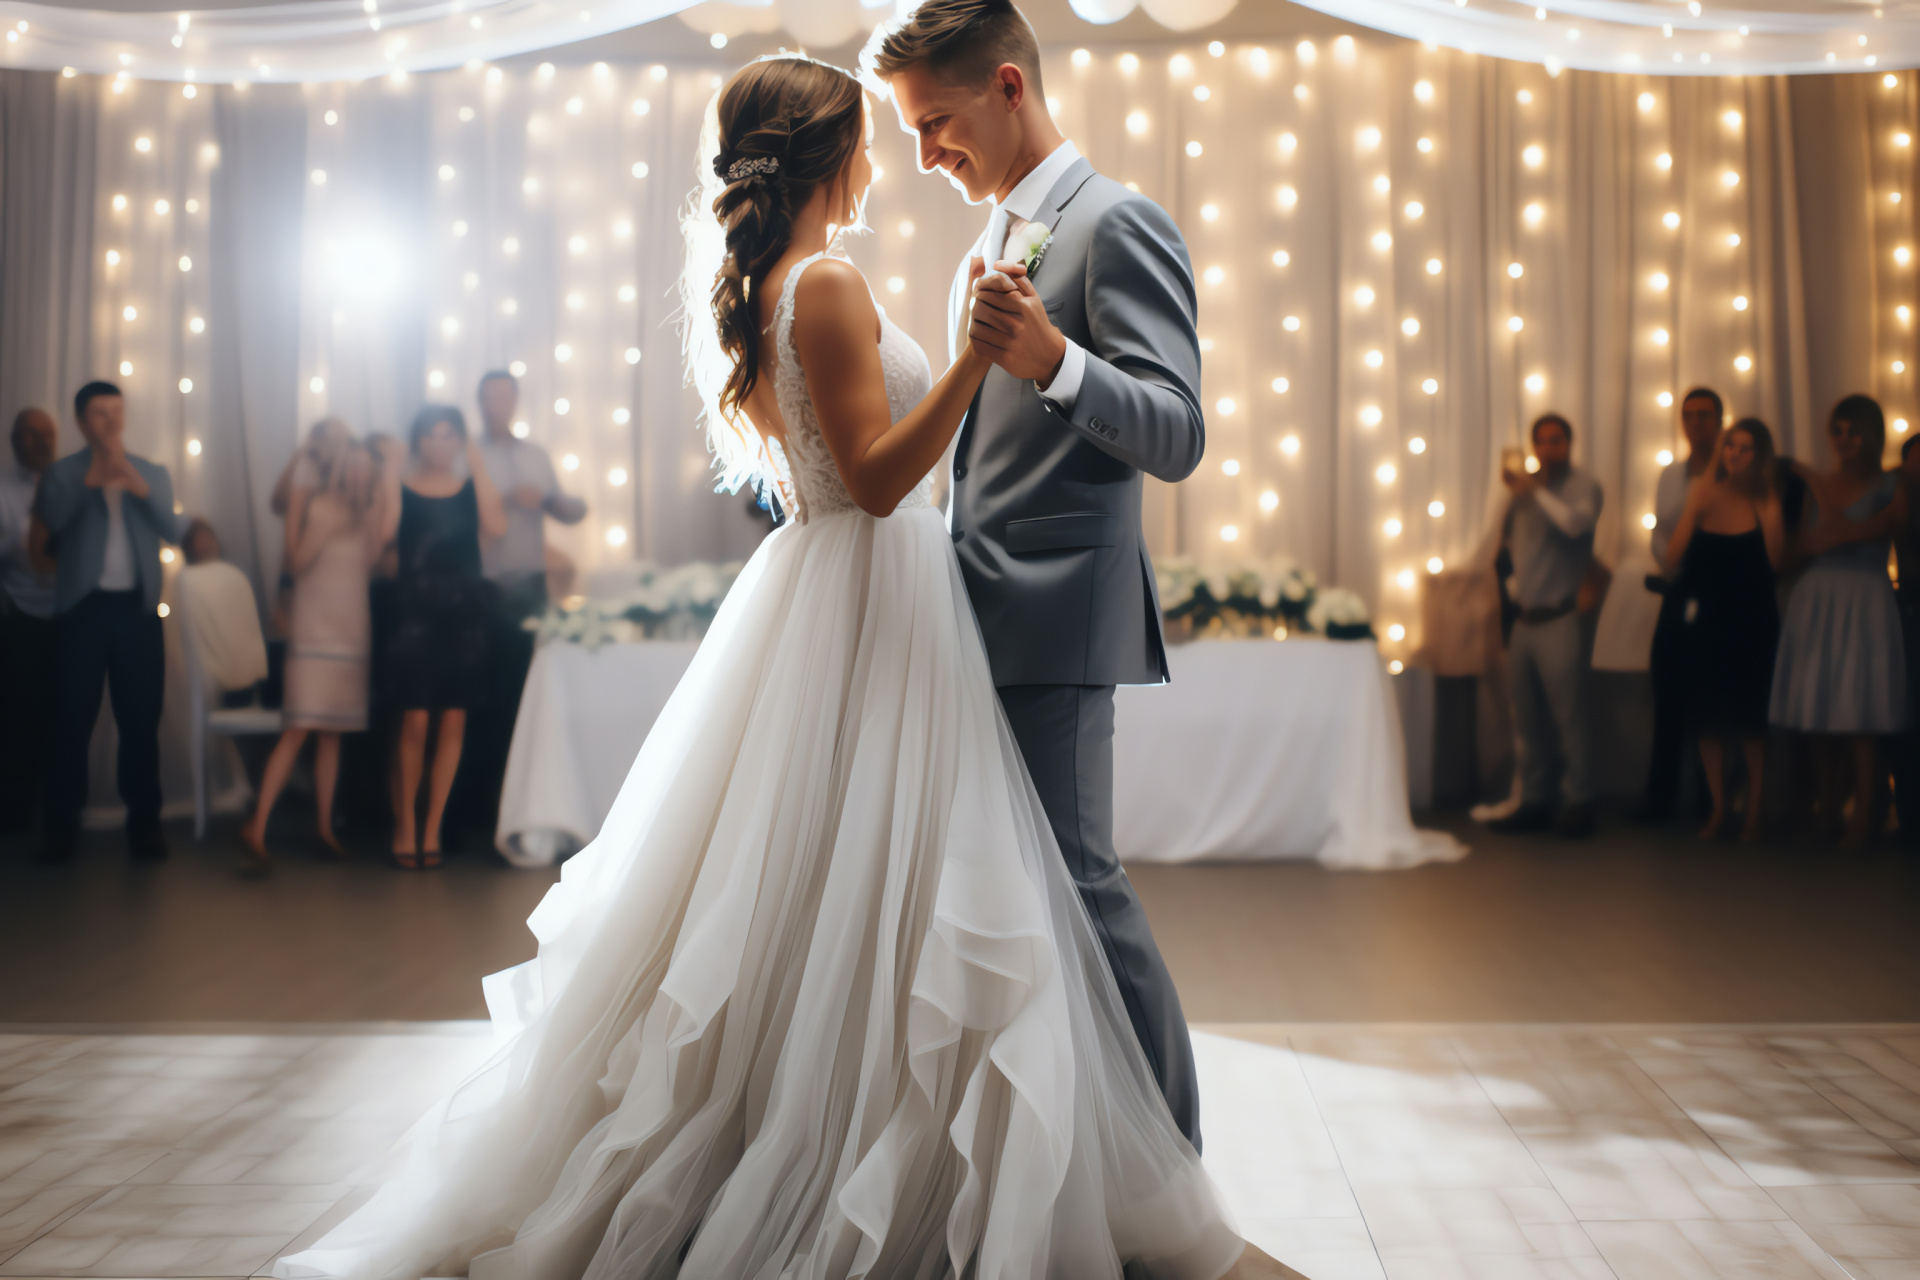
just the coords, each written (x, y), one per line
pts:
(1010, 325)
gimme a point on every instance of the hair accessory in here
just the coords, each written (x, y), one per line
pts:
(749, 167)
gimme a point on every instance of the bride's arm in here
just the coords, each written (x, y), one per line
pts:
(880, 460)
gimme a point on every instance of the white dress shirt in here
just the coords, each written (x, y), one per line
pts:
(1023, 202)
(117, 572)
(1669, 503)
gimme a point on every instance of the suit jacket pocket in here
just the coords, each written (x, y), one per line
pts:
(1072, 531)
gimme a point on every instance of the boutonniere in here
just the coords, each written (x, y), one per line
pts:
(1029, 245)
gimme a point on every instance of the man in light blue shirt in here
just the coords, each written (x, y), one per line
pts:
(106, 513)
(1550, 520)
(29, 645)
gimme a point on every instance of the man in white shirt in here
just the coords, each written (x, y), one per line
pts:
(28, 635)
(516, 564)
(1701, 415)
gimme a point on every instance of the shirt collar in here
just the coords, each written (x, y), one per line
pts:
(1025, 199)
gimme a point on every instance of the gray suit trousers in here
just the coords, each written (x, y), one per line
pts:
(1066, 734)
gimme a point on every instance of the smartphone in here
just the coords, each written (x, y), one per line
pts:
(1513, 460)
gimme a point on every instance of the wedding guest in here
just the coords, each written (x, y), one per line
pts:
(323, 437)
(1701, 416)
(1550, 518)
(334, 532)
(1720, 564)
(516, 564)
(439, 656)
(1841, 671)
(108, 512)
(28, 641)
(1906, 551)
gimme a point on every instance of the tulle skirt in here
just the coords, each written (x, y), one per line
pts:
(820, 1000)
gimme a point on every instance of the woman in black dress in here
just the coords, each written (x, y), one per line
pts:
(1724, 551)
(438, 659)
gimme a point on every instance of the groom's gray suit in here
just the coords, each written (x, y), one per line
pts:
(1046, 522)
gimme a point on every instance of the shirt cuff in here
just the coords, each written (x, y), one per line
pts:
(1065, 387)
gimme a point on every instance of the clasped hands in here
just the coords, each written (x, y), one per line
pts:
(1010, 325)
(110, 468)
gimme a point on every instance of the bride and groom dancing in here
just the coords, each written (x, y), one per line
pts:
(843, 987)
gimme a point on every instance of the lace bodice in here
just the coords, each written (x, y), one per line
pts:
(817, 487)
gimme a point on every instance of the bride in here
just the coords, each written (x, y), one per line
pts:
(820, 1001)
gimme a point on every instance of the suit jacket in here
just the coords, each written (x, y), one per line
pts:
(76, 517)
(1045, 510)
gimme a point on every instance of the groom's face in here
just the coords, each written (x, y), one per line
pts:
(971, 133)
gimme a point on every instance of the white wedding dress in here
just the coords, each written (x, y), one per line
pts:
(820, 1001)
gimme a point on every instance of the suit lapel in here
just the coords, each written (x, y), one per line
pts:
(1058, 198)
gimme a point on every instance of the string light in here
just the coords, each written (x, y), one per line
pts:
(1374, 359)
(1533, 213)
(1431, 386)
(1649, 521)
(1410, 327)
(1664, 457)
(1137, 123)
(1405, 579)
(1290, 323)
(1663, 161)
(1290, 445)
(1433, 266)
(1417, 445)
(1436, 508)
(1414, 209)
(1225, 406)
(1370, 416)
(1280, 386)
(1230, 467)
(1534, 156)
(1536, 383)
(1670, 219)
(1396, 632)
(1391, 528)
(1740, 303)
(616, 536)
(1515, 324)
(1744, 363)
(1423, 145)
(1658, 280)
(1281, 257)
(1385, 473)
(1229, 533)
(1435, 564)
(1269, 501)
(1665, 400)
(1660, 337)
(1515, 270)
(1363, 296)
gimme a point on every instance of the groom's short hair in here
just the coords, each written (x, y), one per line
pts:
(962, 42)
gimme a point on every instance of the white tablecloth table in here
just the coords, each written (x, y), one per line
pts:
(1257, 750)
(1264, 750)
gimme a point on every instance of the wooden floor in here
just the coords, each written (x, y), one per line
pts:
(1350, 1152)
(1633, 926)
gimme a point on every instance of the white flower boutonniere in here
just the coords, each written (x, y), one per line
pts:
(1028, 245)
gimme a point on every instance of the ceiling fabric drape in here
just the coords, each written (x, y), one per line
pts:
(551, 243)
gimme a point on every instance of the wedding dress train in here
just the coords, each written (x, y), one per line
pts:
(820, 1000)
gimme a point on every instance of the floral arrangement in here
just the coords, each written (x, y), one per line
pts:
(1254, 598)
(662, 604)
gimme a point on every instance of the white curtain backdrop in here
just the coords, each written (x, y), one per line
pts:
(388, 283)
(318, 40)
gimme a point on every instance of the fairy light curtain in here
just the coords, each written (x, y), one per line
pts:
(1368, 220)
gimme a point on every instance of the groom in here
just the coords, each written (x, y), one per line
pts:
(1098, 380)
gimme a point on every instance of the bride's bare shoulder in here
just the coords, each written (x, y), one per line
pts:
(833, 297)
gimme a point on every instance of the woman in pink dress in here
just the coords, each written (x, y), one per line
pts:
(335, 531)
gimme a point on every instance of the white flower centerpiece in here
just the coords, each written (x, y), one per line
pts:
(1252, 598)
(678, 603)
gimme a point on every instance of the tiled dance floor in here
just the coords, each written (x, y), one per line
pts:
(1470, 1152)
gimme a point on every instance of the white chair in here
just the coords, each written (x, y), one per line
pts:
(205, 718)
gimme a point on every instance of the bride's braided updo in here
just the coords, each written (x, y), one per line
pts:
(786, 125)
